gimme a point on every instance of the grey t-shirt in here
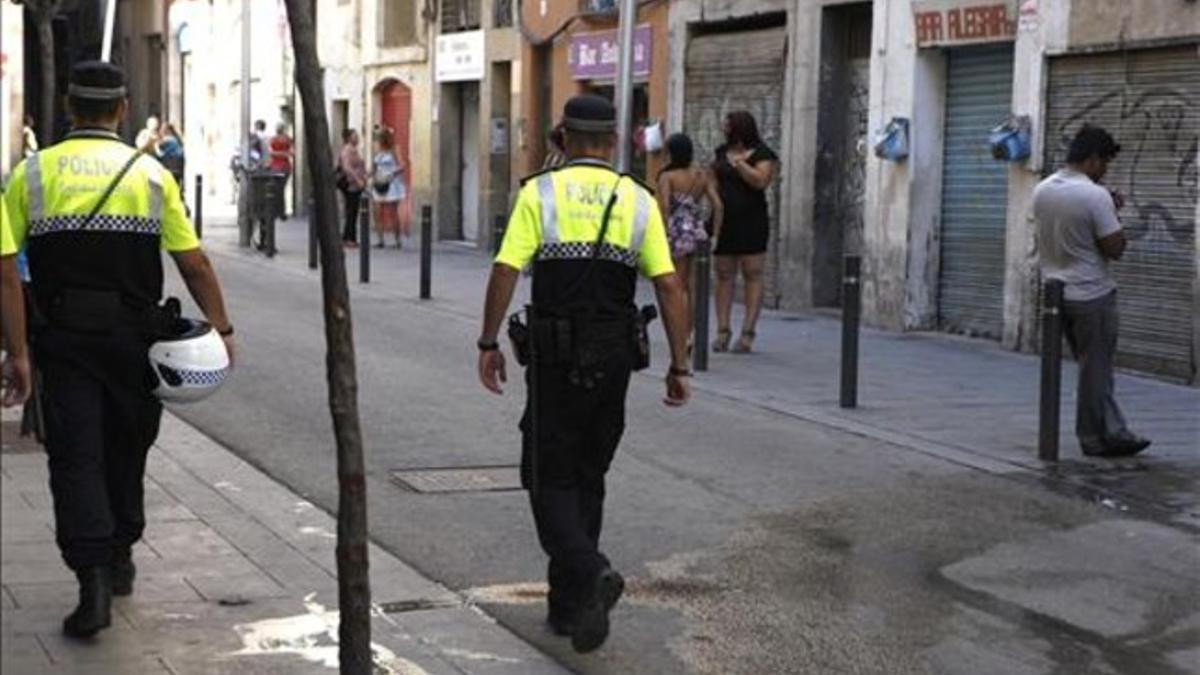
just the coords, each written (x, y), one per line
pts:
(1073, 214)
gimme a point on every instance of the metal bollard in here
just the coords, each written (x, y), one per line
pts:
(851, 308)
(1051, 389)
(199, 220)
(426, 250)
(312, 234)
(364, 234)
(700, 305)
(498, 233)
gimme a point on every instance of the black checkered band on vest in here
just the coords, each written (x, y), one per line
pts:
(101, 223)
(582, 250)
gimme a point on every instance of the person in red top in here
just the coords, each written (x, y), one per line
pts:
(280, 150)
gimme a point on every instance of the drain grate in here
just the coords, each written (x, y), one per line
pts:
(459, 479)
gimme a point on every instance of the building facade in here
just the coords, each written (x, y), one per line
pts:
(950, 243)
(946, 234)
(12, 85)
(571, 48)
(476, 74)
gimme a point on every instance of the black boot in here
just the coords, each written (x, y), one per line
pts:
(95, 603)
(123, 573)
(591, 627)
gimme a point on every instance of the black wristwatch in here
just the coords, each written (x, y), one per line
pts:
(679, 372)
(487, 346)
(227, 332)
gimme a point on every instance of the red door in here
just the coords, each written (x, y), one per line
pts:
(396, 110)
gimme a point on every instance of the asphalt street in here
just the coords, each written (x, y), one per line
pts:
(754, 542)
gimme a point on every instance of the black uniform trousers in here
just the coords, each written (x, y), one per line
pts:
(578, 430)
(101, 420)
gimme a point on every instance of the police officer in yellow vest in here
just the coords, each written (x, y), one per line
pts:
(588, 231)
(95, 217)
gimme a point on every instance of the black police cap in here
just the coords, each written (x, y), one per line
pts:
(97, 81)
(589, 113)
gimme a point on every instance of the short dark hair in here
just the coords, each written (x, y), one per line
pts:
(260, 124)
(1091, 142)
(91, 110)
(586, 140)
(347, 134)
(743, 129)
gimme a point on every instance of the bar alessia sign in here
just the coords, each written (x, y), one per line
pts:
(594, 56)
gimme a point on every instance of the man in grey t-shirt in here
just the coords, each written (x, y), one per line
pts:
(1078, 234)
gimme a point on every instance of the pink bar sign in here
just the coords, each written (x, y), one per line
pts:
(594, 56)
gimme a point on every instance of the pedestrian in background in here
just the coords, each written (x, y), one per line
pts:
(387, 181)
(170, 152)
(588, 232)
(29, 142)
(280, 151)
(745, 167)
(351, 180)
(689, 199)
(258, 140)
(1079, 233)
(148, 133)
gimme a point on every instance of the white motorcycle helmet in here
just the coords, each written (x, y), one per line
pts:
(191, 365)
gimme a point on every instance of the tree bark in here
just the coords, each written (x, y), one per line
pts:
(354, 590)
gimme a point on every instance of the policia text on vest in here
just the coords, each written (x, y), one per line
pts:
(93, 218)
(587, 232)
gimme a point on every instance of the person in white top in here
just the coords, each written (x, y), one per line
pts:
(148, 134)
(1079, 233)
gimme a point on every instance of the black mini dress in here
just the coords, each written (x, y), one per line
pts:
(746, 222)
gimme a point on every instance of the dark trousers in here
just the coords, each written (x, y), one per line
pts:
(350, 204)
(1091, 329)
(578, 430)
(100, 423)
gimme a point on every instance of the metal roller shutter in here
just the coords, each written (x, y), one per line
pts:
(738, 71)
(1150, 101)
(974, 192)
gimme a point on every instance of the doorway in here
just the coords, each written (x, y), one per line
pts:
(841, 146)
(468, 164)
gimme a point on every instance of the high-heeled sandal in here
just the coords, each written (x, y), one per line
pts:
(721, 344)
(745, 343)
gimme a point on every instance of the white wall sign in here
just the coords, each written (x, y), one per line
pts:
(459, 57)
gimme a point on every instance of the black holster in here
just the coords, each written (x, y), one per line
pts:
(641, 336)
(101, 312)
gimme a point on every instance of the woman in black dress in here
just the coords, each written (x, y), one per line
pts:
(744, 168)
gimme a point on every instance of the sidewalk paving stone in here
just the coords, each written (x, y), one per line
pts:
(233, 574)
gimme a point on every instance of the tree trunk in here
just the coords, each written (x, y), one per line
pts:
(354, 589)
(47, 123)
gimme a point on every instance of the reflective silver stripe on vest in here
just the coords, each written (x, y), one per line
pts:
(641, 220)
(549, 209)
(156, 197)
(33, 185)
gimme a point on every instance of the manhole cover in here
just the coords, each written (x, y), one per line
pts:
(459, 479)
